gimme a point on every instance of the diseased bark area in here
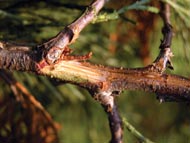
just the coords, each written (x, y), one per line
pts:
(101, 80)
(72, 69)
(152, 82)
(53, 59)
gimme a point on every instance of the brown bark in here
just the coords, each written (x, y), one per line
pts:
(53, 59)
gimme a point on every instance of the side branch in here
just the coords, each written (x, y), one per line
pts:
(107, 101)
(55, 46)
(115, 125)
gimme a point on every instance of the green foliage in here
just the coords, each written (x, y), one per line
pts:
(139, 5)
(136, 133)
(180, 10)
(82, 119)
(181, 7)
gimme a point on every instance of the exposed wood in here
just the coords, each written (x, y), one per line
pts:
(53, 59)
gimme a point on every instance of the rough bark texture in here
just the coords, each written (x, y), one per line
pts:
(53, 59)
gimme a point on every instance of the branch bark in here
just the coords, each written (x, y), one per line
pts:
(100, 78)
(52, 59)
(55, 46)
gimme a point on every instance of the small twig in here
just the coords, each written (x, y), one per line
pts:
(181, 9)
(136, 133)
(165, 12)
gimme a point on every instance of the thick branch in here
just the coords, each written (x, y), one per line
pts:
(169, 87)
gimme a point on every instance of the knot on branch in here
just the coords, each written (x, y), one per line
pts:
(106, 99)
(52, 50)
(59, 44)
(163, 61)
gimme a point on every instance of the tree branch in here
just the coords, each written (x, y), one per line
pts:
(53, 59)
(107, 101)
(115, 124)
(55, 46)
(100, 78)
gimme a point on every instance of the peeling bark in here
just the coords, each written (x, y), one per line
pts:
(53, 59)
